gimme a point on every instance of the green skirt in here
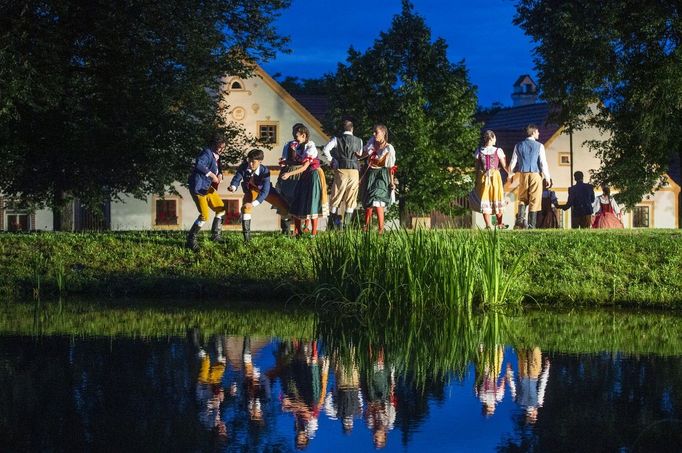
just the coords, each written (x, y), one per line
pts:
(287, 188)
(377, 182)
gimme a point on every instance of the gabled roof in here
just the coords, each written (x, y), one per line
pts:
(509, 124)
(316, 104)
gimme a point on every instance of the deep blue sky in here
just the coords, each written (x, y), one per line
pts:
(480, 32)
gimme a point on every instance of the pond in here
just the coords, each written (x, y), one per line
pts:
(88, 377)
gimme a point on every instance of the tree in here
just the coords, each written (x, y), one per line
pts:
(406, 82)
(296, 85)
(100, 98)
(624, 57)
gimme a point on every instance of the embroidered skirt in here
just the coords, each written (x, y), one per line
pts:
(490, 191)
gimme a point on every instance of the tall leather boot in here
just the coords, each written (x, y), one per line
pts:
(521, 217)
(246, 230)
(284, 224)
(532, 219)
(216, 229)
(192, 243)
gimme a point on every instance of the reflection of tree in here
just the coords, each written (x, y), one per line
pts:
(607, 402)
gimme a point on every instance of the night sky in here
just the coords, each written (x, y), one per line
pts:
(480, 32)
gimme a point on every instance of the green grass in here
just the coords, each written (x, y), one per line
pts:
(558, 268)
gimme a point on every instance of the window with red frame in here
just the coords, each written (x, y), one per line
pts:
(231, 212)
(166, 212)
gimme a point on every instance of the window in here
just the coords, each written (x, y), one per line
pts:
(267, 132)
(232, 212)
(17, 222)
(564, 159)
(18, 217)
(166, 212)
(640, 217)
(236, 85)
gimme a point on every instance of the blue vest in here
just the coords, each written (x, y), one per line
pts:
(528, 152)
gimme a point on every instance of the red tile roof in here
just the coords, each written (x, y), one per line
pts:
(509, 124)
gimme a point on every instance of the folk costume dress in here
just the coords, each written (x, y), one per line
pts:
(547, 217)
(489, 187)
(288, 163)
(382, 164)
(310, 196)
(607, 211)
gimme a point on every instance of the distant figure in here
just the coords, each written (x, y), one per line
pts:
(342, 153)
(530, 160)
(580, 199)
(255, 181)
(489, 187)
(203, 184)
(547, 217)
(606, 210)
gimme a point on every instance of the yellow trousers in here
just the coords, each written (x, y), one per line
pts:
(209, 201)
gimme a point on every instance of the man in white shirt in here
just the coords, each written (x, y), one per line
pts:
(342, 153)
(530, 161)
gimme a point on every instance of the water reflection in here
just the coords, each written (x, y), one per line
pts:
(463, 383)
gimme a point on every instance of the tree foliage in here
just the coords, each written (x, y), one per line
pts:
(406, 82)
(99, 98)
(625, 57)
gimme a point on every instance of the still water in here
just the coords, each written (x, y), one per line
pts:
(330, 390)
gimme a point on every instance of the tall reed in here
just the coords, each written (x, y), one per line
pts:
(412, 272)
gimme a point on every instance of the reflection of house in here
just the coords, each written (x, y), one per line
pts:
(260, 105)
(659, 210)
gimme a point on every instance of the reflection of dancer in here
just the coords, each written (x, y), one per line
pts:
(304, 379)
(530, 393)
(209, 391)
(256, 385)
(346, 402)
(489, 385)
(381, 402)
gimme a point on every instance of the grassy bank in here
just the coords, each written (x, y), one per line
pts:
(628, 268)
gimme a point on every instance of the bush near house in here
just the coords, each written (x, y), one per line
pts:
(624, 268)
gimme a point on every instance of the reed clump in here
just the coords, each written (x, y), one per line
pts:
(413, 272)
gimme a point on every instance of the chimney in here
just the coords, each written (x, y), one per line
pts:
(525, 91)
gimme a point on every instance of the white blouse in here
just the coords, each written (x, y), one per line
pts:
(370, 148)
(603, 199)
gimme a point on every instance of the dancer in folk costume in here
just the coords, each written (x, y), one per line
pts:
(379, 176)
(254, 178)
(288, 163)
(343, 153)
(607, 210)
(203, 184)
(580, 199)
(547, 217)
(310, 197)
(530, 161)
(489, 187)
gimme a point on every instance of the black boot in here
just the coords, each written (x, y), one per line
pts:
(216, 228)
(192, 243)
(521, 217)
(246, 229)
(532, 219)
(285, 224)
(338, 224)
